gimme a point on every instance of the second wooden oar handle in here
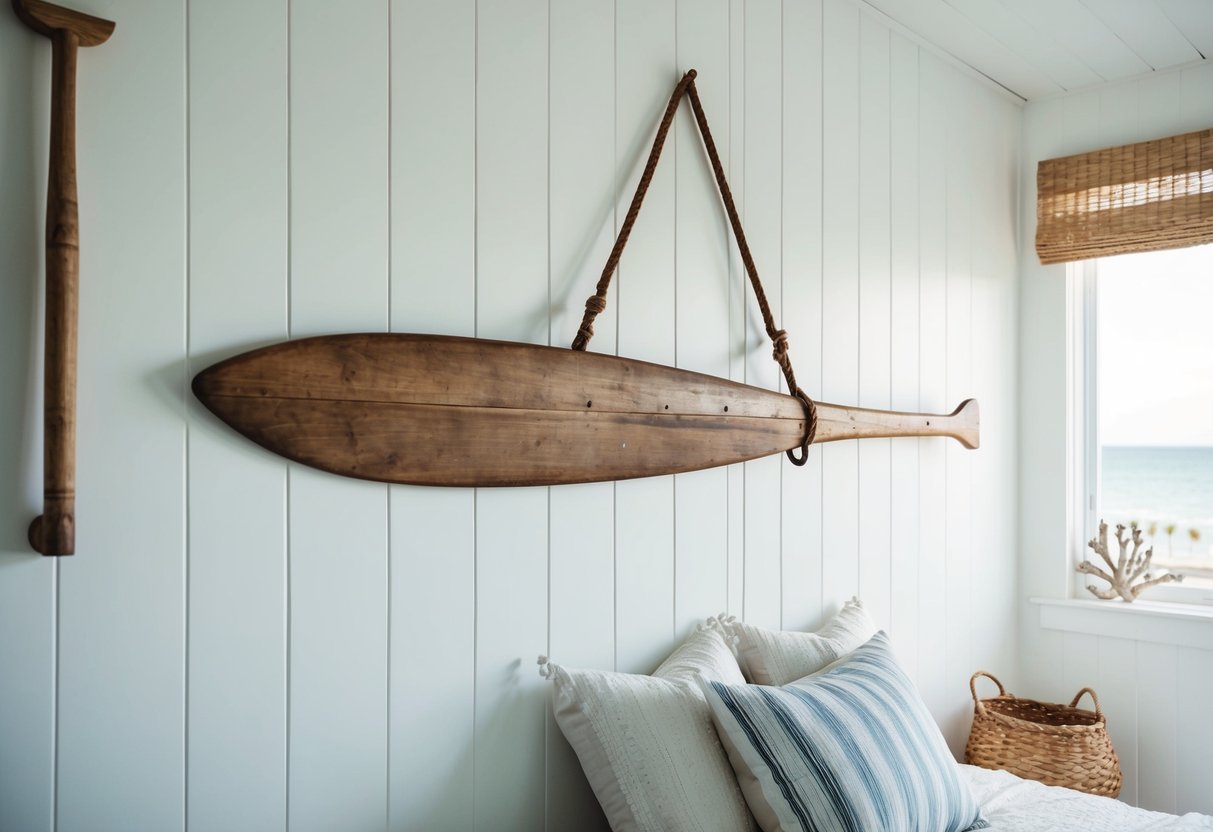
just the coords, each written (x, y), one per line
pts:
(54, 531)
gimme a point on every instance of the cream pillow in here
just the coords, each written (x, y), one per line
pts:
(647, 743)
(774, 657)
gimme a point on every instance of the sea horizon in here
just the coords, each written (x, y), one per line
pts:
(1158, 486)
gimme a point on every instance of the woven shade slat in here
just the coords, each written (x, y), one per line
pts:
(1137, 197)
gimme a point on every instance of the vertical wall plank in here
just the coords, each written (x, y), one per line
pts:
(1155, 726)
(958, 459)
(701, 328)
(903, 332)
(432, 568)
(433, 166)
(645, 72)
(734, 165)
(27, 580)
(1081, 663)
(582, 627)
(932, 478)
(1041, 439)
(802, 286)
(238, 248)
(338, 528)
(511, 629)
(121, 710)
(512, 289)
(993, 325)
(1117, 689)
(338, 652)
(1194, 735)
(761, 209)
(338, 167)
(433, 648)
(581, 189)
(840, 295)
(875, 314)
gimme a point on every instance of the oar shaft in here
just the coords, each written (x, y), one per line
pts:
(836, 422)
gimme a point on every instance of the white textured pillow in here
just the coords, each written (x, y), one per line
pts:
(647, 743)
(773, 657)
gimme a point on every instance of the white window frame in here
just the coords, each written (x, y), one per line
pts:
(1083, 464)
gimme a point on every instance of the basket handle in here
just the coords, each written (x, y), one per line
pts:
(1094, 698)
(973, 685)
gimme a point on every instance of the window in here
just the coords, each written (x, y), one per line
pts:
(1146, 363)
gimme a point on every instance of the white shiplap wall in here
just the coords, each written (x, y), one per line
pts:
(241, 643)
(1155, 693)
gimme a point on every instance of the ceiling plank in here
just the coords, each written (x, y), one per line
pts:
(940, 24)
(1037, 48)
(1084, 34)
(1147, 31)
(1194, 19)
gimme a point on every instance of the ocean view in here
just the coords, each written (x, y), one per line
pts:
(1163, 485)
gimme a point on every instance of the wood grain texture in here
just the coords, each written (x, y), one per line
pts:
(54, 531)
(446, 410)
(47, 19)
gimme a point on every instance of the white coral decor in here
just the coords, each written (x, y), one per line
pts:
(1130, 574)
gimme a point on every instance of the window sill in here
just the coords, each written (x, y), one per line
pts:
(1185, 625)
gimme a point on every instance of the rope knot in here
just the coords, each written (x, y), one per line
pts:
(779, 345)
(595, 304)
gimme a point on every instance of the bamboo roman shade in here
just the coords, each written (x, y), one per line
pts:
(1137, 197)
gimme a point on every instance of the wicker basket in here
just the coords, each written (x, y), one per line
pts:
(1061, 745)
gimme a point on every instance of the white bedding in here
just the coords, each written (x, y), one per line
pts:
(1011, 804)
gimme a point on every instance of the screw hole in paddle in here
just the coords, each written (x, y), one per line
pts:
(589, 404)
(726, 408)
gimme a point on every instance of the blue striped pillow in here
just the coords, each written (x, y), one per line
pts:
(849, 749)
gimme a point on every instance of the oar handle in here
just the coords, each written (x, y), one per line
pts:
(54, 531)
(836, 422)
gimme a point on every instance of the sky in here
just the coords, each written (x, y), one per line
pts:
(1155, 331)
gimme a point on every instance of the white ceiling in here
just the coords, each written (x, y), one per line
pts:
(1040, 47)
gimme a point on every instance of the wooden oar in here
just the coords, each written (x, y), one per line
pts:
(54, 531)
(439, 410)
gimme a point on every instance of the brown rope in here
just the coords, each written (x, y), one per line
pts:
(597, 302)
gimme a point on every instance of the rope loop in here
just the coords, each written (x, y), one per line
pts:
(810, 408)
(597, 302)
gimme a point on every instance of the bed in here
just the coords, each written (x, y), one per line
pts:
(1012, 804)
(744, 729)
